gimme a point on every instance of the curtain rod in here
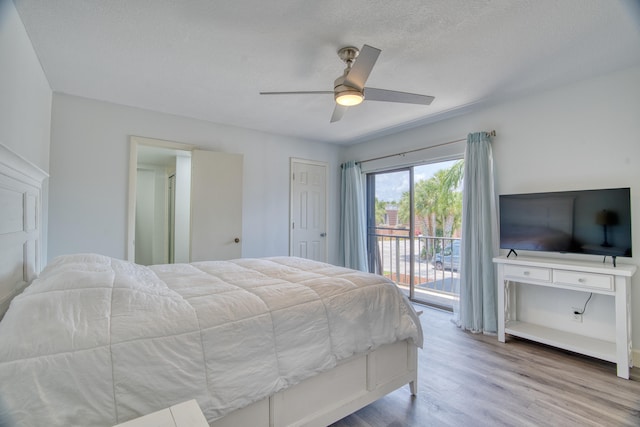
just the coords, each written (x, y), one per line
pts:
(489, 133)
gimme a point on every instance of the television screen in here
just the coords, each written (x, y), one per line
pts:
(586, 221)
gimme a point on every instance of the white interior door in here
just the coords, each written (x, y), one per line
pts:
(216, 205)
(308, 210)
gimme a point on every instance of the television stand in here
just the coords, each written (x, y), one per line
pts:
(581, 276)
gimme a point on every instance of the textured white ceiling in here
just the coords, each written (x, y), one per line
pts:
(209, 59)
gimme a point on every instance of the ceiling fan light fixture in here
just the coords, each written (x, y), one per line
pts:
(349, 98)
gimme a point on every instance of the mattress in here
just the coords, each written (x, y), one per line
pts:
(97, 341)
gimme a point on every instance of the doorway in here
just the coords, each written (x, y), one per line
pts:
(201, 221)
(414, 223)
(159, 202)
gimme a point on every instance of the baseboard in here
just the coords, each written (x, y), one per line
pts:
(635, 357)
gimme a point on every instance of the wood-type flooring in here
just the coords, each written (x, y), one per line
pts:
(474, 380)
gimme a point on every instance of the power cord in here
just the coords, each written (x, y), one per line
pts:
(585, 305)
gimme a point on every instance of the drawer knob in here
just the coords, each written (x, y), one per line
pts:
(581, 280)
(526, 273)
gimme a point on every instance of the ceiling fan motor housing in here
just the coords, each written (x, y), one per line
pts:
(346, 95)
(339, 86)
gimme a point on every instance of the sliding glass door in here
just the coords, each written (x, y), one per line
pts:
(414, 221)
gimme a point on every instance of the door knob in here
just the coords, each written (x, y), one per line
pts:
(237, 240)
(323, 234)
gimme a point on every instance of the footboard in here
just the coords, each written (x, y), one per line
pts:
(332, 395)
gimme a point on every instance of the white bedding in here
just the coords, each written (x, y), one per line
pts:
(96, 341)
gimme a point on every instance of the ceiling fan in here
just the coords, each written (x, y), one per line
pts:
(349, 89)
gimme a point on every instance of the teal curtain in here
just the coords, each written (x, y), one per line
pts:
(477, 308)
(353, 218)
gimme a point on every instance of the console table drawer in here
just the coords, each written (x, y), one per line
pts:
(523, 272)
(584, 280)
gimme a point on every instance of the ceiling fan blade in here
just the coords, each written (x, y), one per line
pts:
(372, 94)
(312, 92)
(362, 67)
(338, 112)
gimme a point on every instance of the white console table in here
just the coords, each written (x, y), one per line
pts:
(585, 276)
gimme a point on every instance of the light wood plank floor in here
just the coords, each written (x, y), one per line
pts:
(474, 380)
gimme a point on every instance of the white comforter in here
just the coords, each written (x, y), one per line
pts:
(96, 341)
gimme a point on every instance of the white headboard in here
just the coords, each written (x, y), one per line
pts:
(20, 224)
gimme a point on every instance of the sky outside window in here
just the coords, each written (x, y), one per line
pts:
(390, 186)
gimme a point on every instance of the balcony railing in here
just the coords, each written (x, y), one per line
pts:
(434, 265)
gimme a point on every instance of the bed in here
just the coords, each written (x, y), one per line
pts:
(275, 341)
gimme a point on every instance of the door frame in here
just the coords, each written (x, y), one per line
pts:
(292, 162)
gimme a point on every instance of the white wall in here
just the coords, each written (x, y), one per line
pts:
(25, 103)
(89, 175)
(25, 98)
(586, 135)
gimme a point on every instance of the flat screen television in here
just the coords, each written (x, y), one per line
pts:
(594, 222)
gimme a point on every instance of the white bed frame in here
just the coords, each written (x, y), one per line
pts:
(317, 401)
(330, 396)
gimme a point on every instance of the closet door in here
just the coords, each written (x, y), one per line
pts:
(216, 206)
(308, 210)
